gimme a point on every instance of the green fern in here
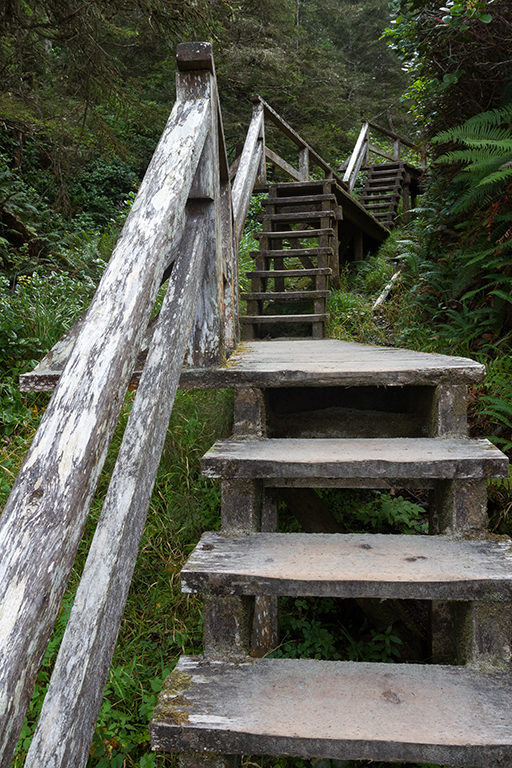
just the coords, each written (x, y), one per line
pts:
(487, 155)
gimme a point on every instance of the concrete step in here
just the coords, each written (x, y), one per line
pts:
(285, 295)
(350, 565)
(399, 458)
(337, 710)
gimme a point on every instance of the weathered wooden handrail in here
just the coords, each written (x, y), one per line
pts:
(249, 169)
(44, 517)
(360, 154)
(358, 158)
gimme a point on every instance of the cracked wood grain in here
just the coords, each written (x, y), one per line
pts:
(43, 520)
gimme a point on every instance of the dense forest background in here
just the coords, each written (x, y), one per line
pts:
(85, 91)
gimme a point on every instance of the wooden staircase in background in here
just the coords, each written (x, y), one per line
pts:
(385, 418)
(386, 185)
(298, 249)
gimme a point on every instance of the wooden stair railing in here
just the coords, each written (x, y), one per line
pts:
(387, 184)
(180, 223)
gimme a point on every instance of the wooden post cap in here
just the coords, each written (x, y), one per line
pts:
(194, 56)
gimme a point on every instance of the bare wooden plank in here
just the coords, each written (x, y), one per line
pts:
(438, 458)
(350, 565)
(314, 157)
(247, 170)
(329, 362)
(285, 295)
(290, 272)
(245, 319)
(282, 164)
(358, 158)
(44, 517)
(337, 710)
(291, 234)
(71, 706)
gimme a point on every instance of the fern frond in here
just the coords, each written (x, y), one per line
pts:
(498, 177)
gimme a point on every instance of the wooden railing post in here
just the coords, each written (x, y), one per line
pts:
(304, 163)
(196, 79)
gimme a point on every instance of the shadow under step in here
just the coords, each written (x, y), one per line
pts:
(350, 566)
(358, 458)
(336, 710)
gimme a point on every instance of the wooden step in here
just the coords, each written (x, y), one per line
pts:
(378, 196)
(337, 710)
(273, 319)
(298, 200)
(299, 216)
(285, 295)
(295, 233)
(299, 186)
(399, 458)
(292, 252)
(350, 565)
(384, 181)
(289, 272)
(301, 362)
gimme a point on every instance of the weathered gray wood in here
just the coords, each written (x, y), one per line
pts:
(290, 272)
(71, 706)
(282, 164)
(314, 157)
(352, 565)
(285, 295)
(337, 710)
(247, 170)
(459, 507)
(328, 362)
(249, 417)
(295, 234)
(358, 158)
(248, 319)
(450, 459)
(44, 517)
(482, 631)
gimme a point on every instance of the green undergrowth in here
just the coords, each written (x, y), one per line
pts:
(159, 622)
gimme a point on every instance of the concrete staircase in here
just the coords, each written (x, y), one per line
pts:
(313, 414)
